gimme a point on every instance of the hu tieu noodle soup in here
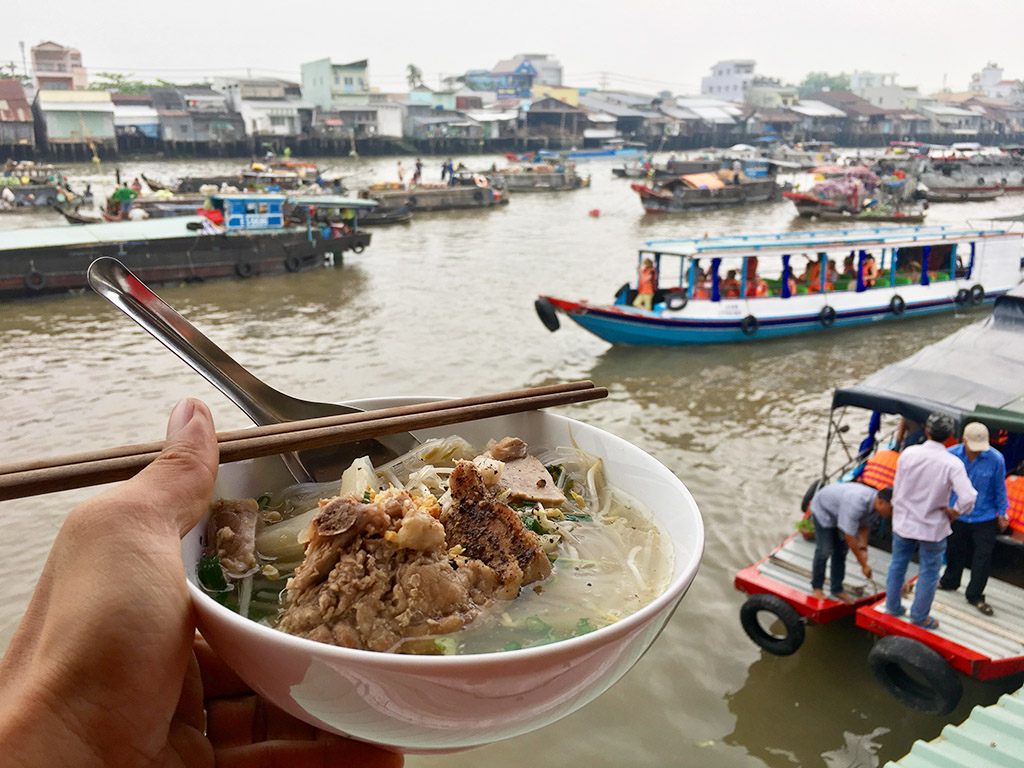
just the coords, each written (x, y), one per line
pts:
(445, 550)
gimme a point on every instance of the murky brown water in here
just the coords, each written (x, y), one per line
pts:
(444, 306)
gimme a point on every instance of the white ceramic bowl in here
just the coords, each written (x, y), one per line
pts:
(447, 703)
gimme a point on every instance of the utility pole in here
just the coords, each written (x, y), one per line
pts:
(24, 61)
(603, 82)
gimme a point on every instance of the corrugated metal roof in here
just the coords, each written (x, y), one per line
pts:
(990, 736)
(812, 108)
(598, 104)
(14, 107)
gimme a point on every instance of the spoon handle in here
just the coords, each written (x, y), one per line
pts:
(112, 280)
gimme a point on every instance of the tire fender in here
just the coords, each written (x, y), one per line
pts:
(478, 195)
(678, 301)
(915, 675)
(793, 623)
(963, 296)
(546, 313)
(977, 294)
(811, 490)
(293, 263)
(35, 281)
(749, 325)
(358, 248)
(897, 306)
(827, 317)
(244, 269)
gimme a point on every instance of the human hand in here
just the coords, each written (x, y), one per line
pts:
(951, 513)
(866, 570)
(1004, 523)
(101, 670)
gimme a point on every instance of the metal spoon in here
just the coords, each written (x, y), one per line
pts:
(261, 402)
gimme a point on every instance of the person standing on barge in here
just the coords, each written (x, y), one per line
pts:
(977, 529)
(925, 476)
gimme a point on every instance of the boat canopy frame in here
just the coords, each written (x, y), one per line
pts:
(901, 243)
(975, 374)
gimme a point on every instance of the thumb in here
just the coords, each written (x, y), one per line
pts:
(178, 484)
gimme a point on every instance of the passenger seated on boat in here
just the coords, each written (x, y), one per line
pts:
(831, 273)
(756, 287)
(870, 271)
(702, 288)
(729, 288)
(811, 275)
(849, 270)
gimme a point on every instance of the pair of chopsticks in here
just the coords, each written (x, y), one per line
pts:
(61, 473)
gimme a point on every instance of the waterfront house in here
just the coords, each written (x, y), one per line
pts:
(768, 121)
(554, 119)
(134, 115)
(17, 128)
(952, 120)
(71, 121)
(58, 68)
(863, 117)
(629, 121)
(380, 117)
(820, 120)
(196, 115)
(326, 84)
(268, 106)
(882, 90)
(729, 79)
(495, 123)
(904, 124)
(423, 94)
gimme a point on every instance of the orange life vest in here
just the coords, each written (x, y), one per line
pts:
(1015, 495)
(646, 282)
(880, 470)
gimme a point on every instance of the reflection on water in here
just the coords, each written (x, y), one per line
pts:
(444, 306)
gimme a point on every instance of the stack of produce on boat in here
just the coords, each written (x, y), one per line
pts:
(27, 185)
(847, 193)
(236, 236)
(741, 287)
(755, 183)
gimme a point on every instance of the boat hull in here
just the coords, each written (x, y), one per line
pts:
(51, 270)
(624, 325)
(729, 196)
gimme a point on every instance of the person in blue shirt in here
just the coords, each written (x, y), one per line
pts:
(978, 529)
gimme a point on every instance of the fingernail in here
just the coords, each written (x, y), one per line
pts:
(180, 417)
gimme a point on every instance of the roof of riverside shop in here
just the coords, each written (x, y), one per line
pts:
(991, 736)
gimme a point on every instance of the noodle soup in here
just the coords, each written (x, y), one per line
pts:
(608, 556)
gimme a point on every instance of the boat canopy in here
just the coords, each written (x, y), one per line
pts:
(333, 201)
(785, 242)
(976, 374)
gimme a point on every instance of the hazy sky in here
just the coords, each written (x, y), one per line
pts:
(648, 45)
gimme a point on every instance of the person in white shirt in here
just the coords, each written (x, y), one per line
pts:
(925, 476)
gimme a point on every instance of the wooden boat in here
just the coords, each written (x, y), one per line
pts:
(885, 215)
(76, 215)
(439, 197)
(960, 268)
(376, 217)
(157, 186)
(706, 191)
(240, 236)
(541, 177)
(668, 170)
(973, 195)
(973, 375)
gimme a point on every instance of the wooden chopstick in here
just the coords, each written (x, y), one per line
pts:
(97, 467)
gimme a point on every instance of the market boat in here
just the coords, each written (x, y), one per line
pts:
(609, 149)
(840, 193)
(671, 169)
(31, 186)
(435, 197)
(878, 214)
(239, 236)
(377, 217)
(539, 177)
(921, 270)
(973, 195)
(706, 191)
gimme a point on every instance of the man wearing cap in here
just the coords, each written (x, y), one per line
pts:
(925, 476)
(843, 514)
(986, 470)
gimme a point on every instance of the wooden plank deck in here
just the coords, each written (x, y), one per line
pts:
(980, 646)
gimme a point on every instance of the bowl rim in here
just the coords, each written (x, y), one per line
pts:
(574, 646)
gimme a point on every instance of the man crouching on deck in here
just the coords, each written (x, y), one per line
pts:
(843, 514)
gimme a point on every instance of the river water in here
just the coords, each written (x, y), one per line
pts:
(443, 305)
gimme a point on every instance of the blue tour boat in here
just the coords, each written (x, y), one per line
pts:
(745, 287)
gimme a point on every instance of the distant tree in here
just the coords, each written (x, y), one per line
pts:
(8, 70)
(818, 81)
(115, 82)
(414, 76)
